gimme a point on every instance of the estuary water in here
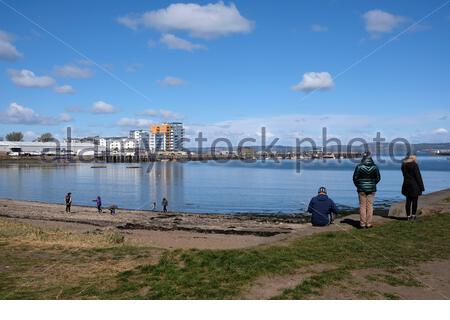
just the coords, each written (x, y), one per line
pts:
(262, 187)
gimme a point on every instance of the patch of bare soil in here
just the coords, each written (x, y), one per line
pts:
(427, 281)
(270, 286)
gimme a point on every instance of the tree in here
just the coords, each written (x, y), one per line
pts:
(14, 136)
(46, 137)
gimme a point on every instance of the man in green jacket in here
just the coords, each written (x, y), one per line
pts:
(365, 178)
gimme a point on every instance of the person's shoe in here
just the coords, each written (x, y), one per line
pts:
(369, 226)
(408, 218)
(362, 226)
(413, 217)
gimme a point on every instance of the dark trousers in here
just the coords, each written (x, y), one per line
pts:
(411, 205)
(99, 208)
(68, 207)
(164, 208)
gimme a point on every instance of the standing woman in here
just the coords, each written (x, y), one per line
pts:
(412, 186)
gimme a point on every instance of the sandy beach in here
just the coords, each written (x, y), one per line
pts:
(171, 230)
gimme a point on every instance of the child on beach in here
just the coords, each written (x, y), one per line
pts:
(165, 203)
(98, 203)
(68, 200)
(154, 206)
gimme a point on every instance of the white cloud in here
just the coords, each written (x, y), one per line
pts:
(314, 81)
(170, 81)
(102, 107)
(19, 114)
(7, 50)
(208, 21)
(378, 21)
(440, 131)
(73, 71)
(136, 123)
(319, 28)
(5, 36)
(161, 113)
(64, 89)
(27, 78)
(173, 42)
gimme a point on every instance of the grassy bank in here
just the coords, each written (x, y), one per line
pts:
(38, 264)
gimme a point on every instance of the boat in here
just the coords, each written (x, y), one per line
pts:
(328, 156)
(133, 167)
(98, 167)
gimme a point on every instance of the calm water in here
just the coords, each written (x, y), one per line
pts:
(209, 187)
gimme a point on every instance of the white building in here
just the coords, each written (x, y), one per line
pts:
(50, 148)
(142, 137)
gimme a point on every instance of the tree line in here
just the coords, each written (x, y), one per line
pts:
(18, 136)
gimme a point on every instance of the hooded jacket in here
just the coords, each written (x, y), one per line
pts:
(412, 179)
(366, 176)
(321, 207)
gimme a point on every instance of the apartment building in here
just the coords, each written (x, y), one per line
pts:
(166, 137)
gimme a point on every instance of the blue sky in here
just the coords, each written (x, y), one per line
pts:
(227, 68)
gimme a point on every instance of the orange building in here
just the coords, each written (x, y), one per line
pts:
(167, 137)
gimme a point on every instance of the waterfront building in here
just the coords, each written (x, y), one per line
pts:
(166, 137)
(142, 138)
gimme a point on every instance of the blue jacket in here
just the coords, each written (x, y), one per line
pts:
(321, 207)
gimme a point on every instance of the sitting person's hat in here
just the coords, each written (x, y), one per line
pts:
(322, 190)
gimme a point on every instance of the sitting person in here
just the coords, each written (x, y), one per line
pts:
(322, 208)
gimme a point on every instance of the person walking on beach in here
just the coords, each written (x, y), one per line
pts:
(412, 186)
(322, 209)
(365, 178)
(154, 206)
(98, 203)
(68, 200)
(164, 203)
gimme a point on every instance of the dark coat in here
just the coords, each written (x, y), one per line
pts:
(412, 179)
(366, 176)
(321, 207)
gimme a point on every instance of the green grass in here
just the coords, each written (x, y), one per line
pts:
(93, 271)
